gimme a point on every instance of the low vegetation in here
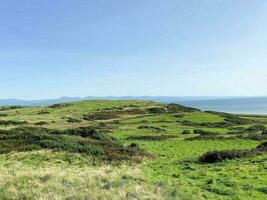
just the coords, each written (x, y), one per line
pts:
(130, 150)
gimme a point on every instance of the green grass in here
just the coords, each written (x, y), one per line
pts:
(169, 168)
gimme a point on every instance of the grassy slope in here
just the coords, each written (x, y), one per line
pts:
(172, 174)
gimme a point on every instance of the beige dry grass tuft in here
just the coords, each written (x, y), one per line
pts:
(47, 175)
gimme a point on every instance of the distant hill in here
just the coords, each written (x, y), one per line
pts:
(6, 102)
(248, 105)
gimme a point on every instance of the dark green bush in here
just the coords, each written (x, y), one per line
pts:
(3, 108)
(3, 115)
(90, 132)
(156, 110)
(33, 138)
(186, 132)
(256, 128)
(151, 128)
(41, 123)
(152, 137)
(262, 147)
(179, 115)
(235, 120)
(59, 105)
(72, 120)
(219, 156)
(100, 116)
(175, 108)
(43, 112)
(12, 123)
(203, 132)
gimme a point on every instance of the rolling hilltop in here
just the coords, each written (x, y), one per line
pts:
(130, 149)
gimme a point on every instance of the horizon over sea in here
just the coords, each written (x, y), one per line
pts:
(249, 106)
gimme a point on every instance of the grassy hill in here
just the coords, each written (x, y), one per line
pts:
(130, 150)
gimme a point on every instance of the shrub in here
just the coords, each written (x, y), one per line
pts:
(33, 138)
(43, 112)
(100, 116)
(12, 123)
(203, 132)
(219, 156)
(262, 147)
(3, 115)
(72, 120)
(235, 120)
(186, 132)
(90, 132)
(152, 137)
(256, 128)
(175, 108)
(156, 110)
(188, 123)
(150, 127)
(179, 115)
(41, 123)
(59, 105)
(254, 136)
(3, 108)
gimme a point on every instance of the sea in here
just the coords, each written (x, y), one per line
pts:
(249, 106)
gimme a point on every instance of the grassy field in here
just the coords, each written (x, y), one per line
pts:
(130, 150)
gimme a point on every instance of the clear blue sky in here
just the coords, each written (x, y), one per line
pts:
(56, 48)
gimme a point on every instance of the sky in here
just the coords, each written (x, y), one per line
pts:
(55, 48)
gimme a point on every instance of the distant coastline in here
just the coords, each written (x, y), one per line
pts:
(236, 105)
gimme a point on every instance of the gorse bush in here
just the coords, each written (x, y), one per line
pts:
(100, 116)
(59, 105)
(3, 108)
(175, 108)
(203, 132)
(156, 110)
(43, 112)
(186, 132)
(219, 156)
(152, 137)
(256, 128)
(91, 132)
(41, 123)
(82, 140)
(12, 123)
(73, 120)
(151, 128)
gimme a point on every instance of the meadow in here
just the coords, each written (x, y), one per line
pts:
(130, 150)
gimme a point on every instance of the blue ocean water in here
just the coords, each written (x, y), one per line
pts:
(240, 106)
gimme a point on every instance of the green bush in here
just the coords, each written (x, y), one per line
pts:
(219, 156)
(156, 110)
(256, 128)
(3, 108)
(152, 137)
(12, 123)
(90, 132)
(98, 145)
(72, 120)
(59, 105)
(100, 116)
(41, 123)
(175, 108)
(151, 128)
(43, 112)
(186, 132)
(203, 132)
